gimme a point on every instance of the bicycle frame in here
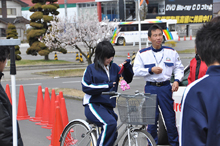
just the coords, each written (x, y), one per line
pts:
(128, 129)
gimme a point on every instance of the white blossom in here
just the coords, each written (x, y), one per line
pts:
(86, 30)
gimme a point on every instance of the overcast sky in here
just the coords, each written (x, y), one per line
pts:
(216, 0)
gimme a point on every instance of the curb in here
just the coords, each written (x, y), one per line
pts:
(66, 52)
(51, 66)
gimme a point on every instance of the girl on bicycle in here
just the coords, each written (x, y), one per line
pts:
(102, 76)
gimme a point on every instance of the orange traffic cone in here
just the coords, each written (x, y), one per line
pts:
(58, 99)
(184, 38)
(55, 105)
(61, 94)
(57, 128)
(7, 90)
(64, 112)
(129, 56)
(52, 111)
(39, 106)
(121, 65)
(179, 38)
(46, 108)
(190, 37)
(22, 106)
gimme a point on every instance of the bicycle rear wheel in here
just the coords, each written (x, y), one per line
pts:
(139, 138)
(77, 134)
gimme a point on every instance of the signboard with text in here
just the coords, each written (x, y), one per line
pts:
(188, 11)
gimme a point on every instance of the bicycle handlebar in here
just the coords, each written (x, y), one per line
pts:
(117, 94)
(112, 93)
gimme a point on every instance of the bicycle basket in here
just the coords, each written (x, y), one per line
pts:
(138, 109)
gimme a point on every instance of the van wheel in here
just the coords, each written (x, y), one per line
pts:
(120, 41)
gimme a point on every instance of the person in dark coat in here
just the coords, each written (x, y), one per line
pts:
(103, 76)
(200, 110)
(6, 134)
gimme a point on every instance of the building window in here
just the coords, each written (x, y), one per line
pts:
(19, 32)
(156, 7)
(172, 27)
(10, 11)
(91, 8)
(152, 8)
(109, 10)
(130, 10)
(2, 32)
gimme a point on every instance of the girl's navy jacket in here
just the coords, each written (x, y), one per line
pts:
(94, 82)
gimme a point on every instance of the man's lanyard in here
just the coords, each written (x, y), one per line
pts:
(156, 58)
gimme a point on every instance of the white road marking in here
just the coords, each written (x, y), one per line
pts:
(68, 82)
(71, 82)
(35, 84)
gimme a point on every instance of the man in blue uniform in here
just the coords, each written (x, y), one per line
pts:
(200, 116)
(156, 64)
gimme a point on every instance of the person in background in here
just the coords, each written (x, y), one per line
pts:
(156, 64)
(198, 68)
(6, 135)
(103, 76)
(200, 110)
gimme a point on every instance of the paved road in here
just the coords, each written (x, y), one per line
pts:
(33, 134)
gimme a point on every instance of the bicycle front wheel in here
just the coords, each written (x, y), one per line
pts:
(139, 138)
(78, 134)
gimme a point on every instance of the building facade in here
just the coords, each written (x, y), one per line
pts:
(71, 9)
(13, 15)
(189, 14)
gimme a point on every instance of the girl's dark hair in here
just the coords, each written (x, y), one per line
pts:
(103, 50)
(4, 51)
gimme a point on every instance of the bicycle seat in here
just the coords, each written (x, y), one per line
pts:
(88, 121)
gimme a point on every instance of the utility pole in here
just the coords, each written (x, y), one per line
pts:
(4, 9)
(139, 24)
(65, 4)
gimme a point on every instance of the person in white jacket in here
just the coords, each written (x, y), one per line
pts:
(156, 64)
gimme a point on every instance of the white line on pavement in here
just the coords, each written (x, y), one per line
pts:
(35, 84)
(71, 82)
(80, 81)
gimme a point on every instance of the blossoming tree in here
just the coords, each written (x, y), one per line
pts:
(82, 34)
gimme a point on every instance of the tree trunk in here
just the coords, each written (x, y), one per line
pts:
(46, 57)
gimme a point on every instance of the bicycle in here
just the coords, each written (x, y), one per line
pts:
(138, 109)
